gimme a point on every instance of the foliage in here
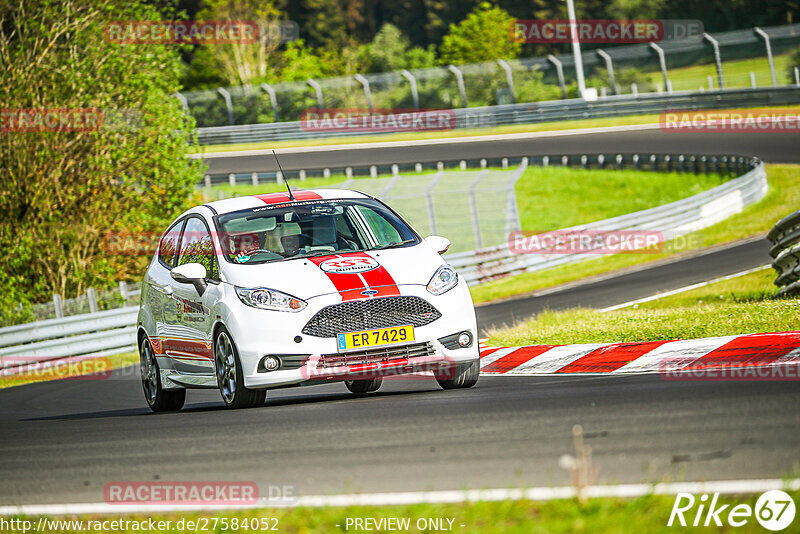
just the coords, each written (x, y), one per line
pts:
(62, 191)
(390, 50)
(483, 36)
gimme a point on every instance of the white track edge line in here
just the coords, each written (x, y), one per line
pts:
(684, 289)
(428, 497)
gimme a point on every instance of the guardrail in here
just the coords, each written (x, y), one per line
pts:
(529, 113)
(786, 250)
(113, 331)
(672, 220)
(89, 334)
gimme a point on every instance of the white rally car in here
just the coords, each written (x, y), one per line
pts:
(268, 291)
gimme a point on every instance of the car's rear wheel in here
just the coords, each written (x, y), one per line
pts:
(362, 387)
(158, 398)
(230, 377)
(460, 376)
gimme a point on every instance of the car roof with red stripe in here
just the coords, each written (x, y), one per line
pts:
(254, 201)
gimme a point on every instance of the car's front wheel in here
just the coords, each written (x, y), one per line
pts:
(230, 377)
(158, 398)
(460, 376)
(361, 387)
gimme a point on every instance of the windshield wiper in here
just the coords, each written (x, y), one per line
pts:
(395, 244)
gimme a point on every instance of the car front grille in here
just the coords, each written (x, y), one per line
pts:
(367, 314)
(376, 355)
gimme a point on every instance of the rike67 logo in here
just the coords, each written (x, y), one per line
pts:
(774, 510)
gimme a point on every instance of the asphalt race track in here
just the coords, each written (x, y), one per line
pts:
(769, 146)
(61, 442)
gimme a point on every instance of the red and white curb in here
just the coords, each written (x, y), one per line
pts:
(743, 351)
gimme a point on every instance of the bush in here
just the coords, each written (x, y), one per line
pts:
(62, 191)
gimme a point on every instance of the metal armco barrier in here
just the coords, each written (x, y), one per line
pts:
(113, 331)
(100, 333)
(786, 250)
(530, 113)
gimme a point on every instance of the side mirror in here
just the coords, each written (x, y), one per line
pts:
(440, 244)
(191, 273)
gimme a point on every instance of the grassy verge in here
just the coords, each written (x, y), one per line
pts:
(448, 134)
(783, 198)
(643, 514)
(742, 305)
(79, 371)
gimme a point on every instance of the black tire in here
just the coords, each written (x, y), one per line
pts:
(158, 398)
(230, 378)
(362, 387)
(462, 377)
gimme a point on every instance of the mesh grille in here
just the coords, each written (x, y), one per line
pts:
(373, 313)
(376, 355)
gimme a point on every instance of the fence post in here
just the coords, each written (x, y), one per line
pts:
(91, 296)
(183, 101)
(367, 93)
(797, 77)
(509, 78)
(412, 81)
(228, 103)
(317, 90)
(302, 174)
(429, 200)
(232, 180)
(254, 178)
(58, 305)
(609, 68)
(460, 81)
(560, 72)
(662, 61)
(123, 292)
(752, 79)
(272, 98)
(395, 169)
(512, 217)
(761, 33)
(717, 58)
(418, 167)
(207, 180)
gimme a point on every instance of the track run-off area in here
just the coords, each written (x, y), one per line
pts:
(63, 441)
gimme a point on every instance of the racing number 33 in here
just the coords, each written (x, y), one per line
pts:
(372, 338)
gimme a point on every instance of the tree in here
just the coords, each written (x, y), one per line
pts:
(244, 63)
(390, 50)
(483, 36)
(63, 189)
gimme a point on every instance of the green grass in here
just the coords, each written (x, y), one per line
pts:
(644, 514)
(756, 220)
(735, 73)
(742, 305)
(88, 367)
(557, 197)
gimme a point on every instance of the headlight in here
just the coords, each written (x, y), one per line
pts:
(269, 299)
(444, 279)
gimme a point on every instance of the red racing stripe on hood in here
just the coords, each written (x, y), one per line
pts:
(351, 285)
(279, 198)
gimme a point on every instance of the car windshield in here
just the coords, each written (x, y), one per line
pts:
(311, 228)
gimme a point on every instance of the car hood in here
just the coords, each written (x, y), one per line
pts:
(375, 273)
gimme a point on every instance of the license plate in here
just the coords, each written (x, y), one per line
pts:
(374, 338)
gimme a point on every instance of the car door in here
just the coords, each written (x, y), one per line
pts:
(159, 287)
(191, 348)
